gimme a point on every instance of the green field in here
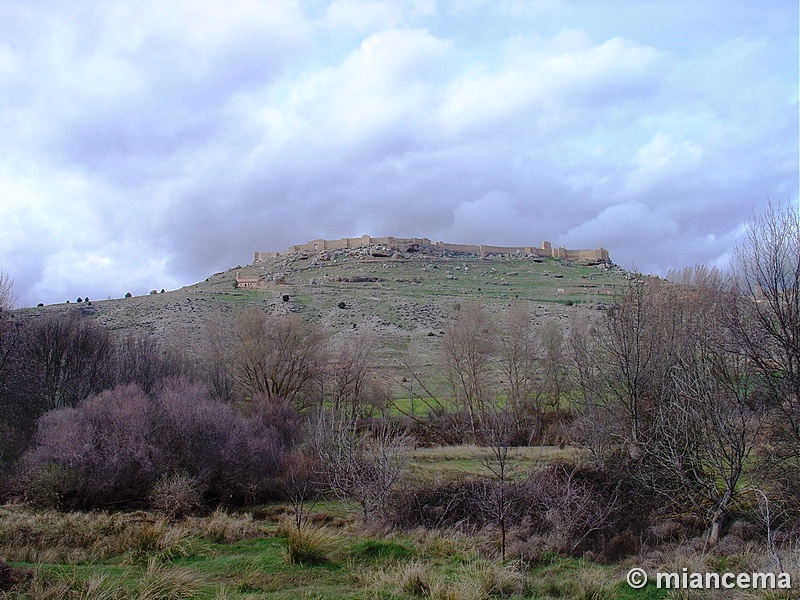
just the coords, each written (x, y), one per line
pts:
(117, 556)
(451, 462)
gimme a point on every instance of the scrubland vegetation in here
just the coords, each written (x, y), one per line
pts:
(526, 462)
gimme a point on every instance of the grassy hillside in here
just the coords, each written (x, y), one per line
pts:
(398, 299)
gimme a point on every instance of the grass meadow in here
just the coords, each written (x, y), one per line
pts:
(259, 553)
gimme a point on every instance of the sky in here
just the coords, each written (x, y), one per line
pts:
(149, 144)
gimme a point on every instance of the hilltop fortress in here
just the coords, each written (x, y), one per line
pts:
(546, 249)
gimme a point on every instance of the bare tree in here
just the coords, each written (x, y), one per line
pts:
(468, 346)
(597, 426)
(426, 405)
(635, 346)
(767, 265)
(706, 423)
(359, 465)
(302, 483)
(9, 330)
(218, 359)
(13, 391)
(553, 369)
(70, 356)
(518, 352)
(350, 381)
(7, 297)
(704, 438)
(581, 352)
(277, 357)
(498, 498)
(148, 362)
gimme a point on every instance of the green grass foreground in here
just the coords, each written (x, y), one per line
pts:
(226, 556)
(259, 554)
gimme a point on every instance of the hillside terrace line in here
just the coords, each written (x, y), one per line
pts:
(546, 250)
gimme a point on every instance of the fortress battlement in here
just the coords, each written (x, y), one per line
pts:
(545, 250)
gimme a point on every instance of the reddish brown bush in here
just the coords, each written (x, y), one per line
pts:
(105, 442)
(116, 445)
(582, 507)
(569, 509)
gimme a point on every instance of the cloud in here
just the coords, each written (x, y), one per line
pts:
(147, 145)
(363, 16)
(557, 89)
(663, 157)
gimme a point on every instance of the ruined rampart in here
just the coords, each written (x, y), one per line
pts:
(546, 249)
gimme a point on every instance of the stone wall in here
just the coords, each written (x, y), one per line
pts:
(587, 255)
(546, 248)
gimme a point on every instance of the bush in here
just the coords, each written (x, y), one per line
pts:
(105, 441)
(437, 505)
(10, 577)
(53, 485)
(581, 507)
(620, 546)
(563, 508)
(115, 446)
(177, 495)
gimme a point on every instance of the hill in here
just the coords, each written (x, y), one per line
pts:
(397, 293)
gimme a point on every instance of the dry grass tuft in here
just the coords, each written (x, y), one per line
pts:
(475, 580)
(494, 578)
(160, 541)
(433, 543)
(161, 582)
(223, 528)
(310, 546)
(61, 584)
(415, 578)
